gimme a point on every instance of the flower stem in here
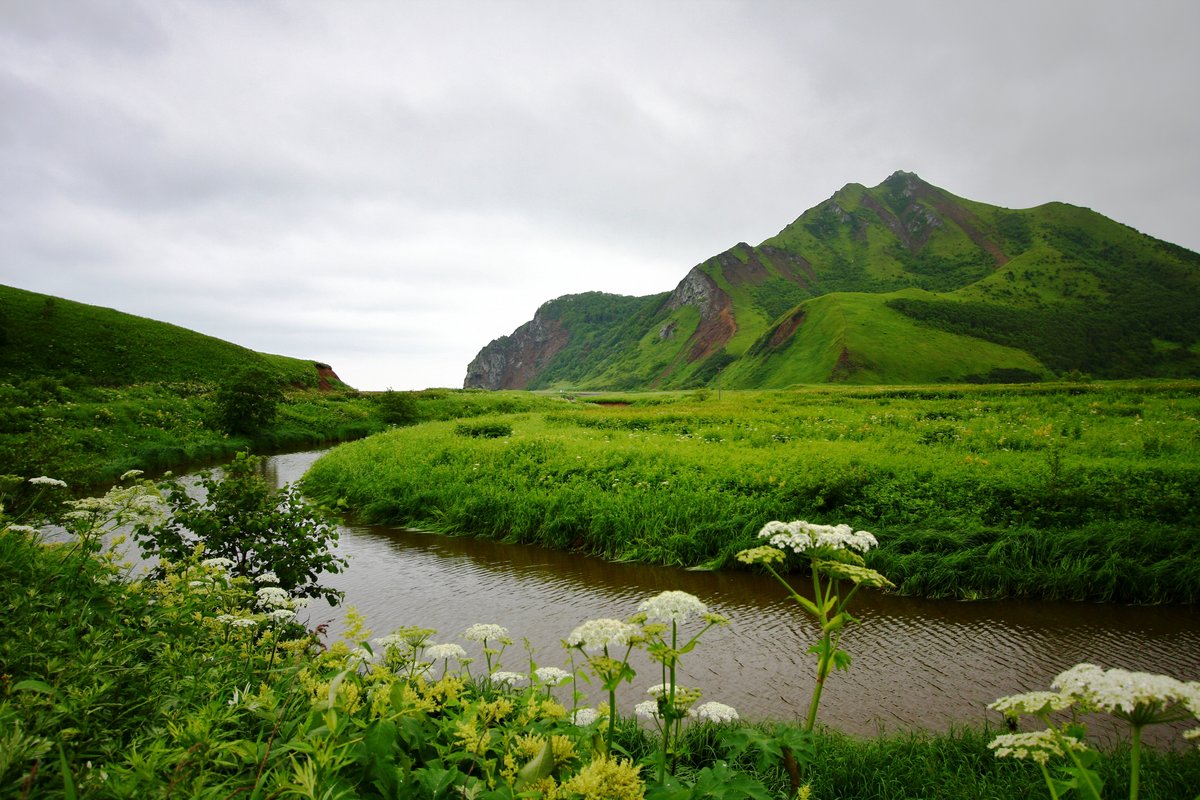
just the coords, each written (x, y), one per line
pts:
(1135, 760)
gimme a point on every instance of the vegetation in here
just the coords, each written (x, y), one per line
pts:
(248, 400)
(190, 686)
(1074, 491)
(240, 518)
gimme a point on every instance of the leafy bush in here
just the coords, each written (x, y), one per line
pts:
(260, 531)
(397, 408)
(248, 400)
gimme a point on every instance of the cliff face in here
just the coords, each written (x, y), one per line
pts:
(512, 362)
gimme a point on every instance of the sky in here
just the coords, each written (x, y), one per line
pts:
(388, 186)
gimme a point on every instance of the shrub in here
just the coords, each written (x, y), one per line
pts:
(248, 400)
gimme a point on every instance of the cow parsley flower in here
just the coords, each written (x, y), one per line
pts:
(282, 615)
(223, 564)
(273, 597)
(647, 709)
(130, 474)
(1034, 703)
(1140, 697)
(438, 652)
(672, 606)
(551, 676)
(42, 480)
(716, 712)
(481, 632)
(598, 634)
(1037, 746)
(800, 535)
(584, 716)
(267, 577)
(507, 678)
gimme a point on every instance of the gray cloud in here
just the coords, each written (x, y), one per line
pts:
(389, 186)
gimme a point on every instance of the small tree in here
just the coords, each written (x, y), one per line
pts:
(248, 400)
(241, 518)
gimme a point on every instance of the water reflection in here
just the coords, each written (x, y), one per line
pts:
(917, 663)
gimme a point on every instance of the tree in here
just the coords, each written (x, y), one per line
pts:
(248, 399)
(242, 518)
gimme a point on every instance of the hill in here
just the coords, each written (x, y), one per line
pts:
(44, 336)
(900, 283)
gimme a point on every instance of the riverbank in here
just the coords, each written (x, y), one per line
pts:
(118, 688)
(1080, 492)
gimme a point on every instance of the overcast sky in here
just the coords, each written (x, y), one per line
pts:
(388, 186)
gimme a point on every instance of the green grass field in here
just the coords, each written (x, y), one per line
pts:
(1070, 491)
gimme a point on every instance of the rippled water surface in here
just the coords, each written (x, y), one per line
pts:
(917, 663)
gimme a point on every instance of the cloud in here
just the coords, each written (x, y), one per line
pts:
(388, 187)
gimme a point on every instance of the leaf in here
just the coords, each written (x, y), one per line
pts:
(841, 660)
(69, 789)
(541, 766)
(719, 782)
(807, 605)
(31, 685)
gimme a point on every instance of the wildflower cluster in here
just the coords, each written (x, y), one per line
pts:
(799, 536)
(834, 554)
(1138, 698)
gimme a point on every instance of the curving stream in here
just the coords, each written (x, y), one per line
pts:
(917, 663)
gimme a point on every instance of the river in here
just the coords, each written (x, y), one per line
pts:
(917, 663)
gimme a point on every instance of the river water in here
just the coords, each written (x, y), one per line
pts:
(917, 663)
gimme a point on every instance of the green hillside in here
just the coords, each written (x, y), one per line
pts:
(900, 283)
(44, 336)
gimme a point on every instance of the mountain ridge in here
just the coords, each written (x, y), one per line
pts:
(1006, 293)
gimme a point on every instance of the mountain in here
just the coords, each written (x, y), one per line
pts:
(44, 336)
(899, 283)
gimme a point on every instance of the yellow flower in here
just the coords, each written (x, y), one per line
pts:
(606, 779)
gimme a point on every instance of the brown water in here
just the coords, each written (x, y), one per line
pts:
(917, 663)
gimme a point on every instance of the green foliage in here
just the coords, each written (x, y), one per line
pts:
(248, 400)
(397, 408)
(242, 518)
(1070, 491)
(483, 429)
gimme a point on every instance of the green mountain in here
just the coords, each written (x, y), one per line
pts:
(899, 283)
(44, 336)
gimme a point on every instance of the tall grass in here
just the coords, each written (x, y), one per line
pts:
(1081, 492)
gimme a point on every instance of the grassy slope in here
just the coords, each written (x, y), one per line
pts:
(42, 335)
(1088, 293)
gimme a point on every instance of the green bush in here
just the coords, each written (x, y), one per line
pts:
(248, 400)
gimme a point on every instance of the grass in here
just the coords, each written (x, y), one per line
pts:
(1084, 492)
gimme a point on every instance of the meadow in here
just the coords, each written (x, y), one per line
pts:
(1074, 491)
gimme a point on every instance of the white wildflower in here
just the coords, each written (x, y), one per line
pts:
(597, 634)
(800, 535)
(223, 564)
(1125, 693)
(438, 652)
(672, 606)
(584, 716)
(483, 631)
(22, 529)
(282, 615)
(267, 577)
(716, 712)
(273, 597)
(1037, 746)
(42, 480)
(1032, 703)
(507, 678)
(647, 709)
(551, 676)
(130, 474)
